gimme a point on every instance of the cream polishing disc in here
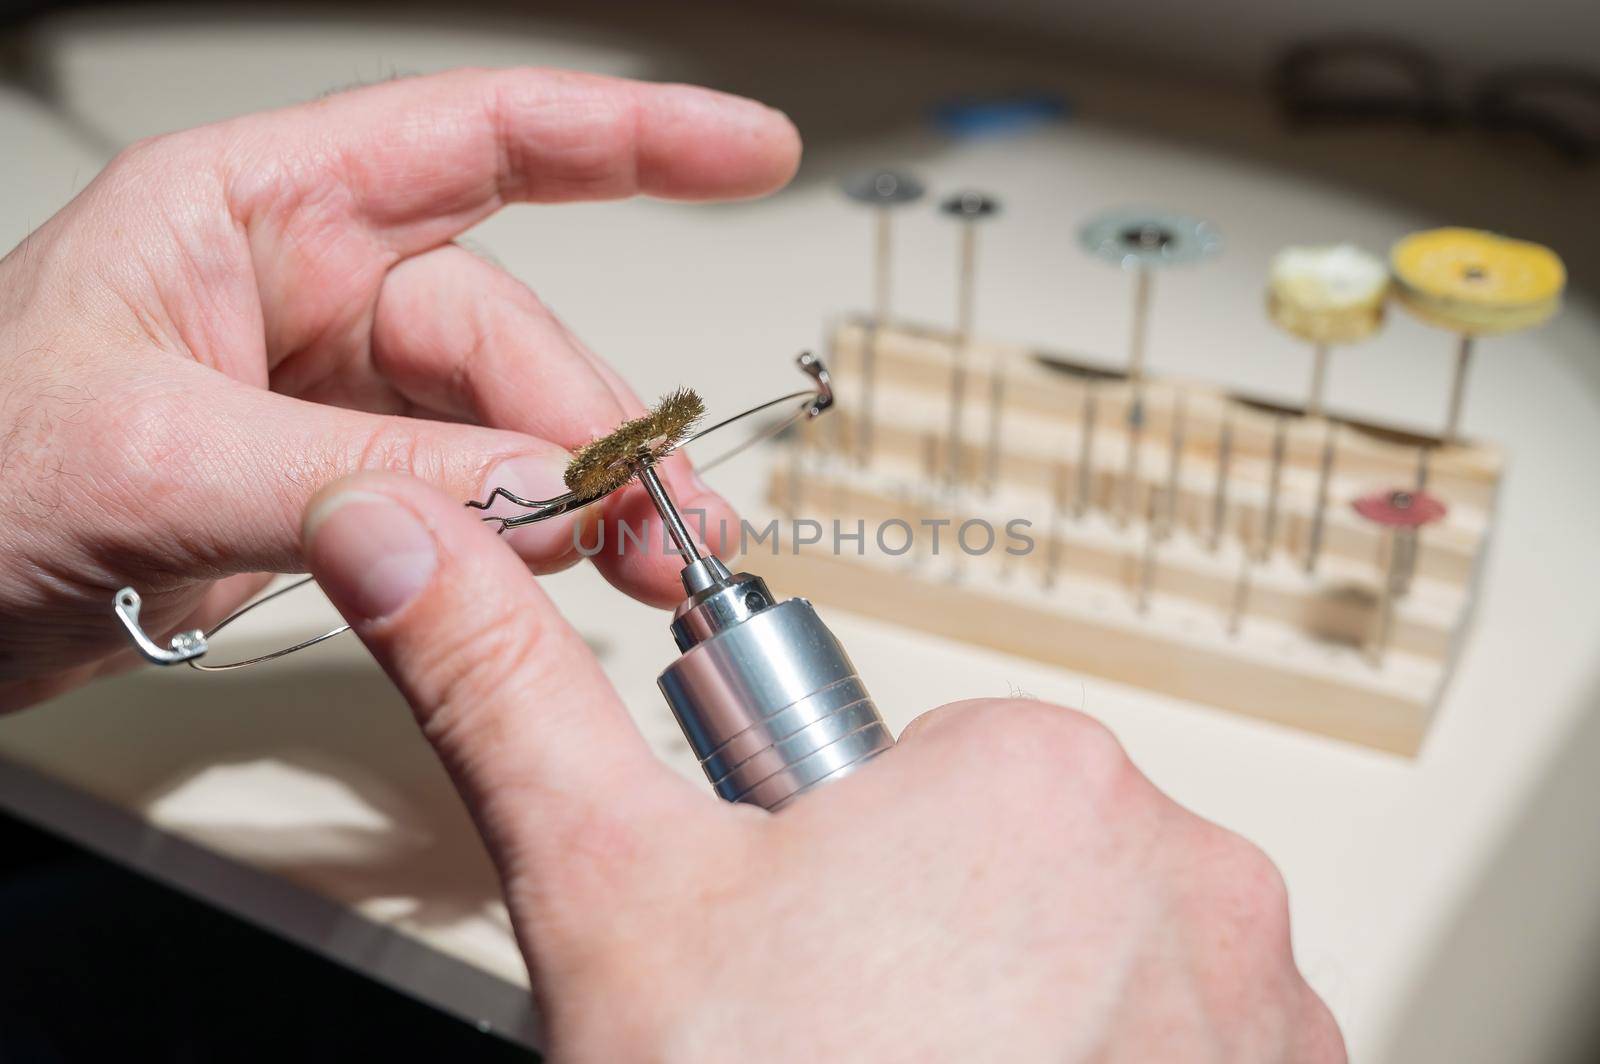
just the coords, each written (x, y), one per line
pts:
(1327, 295)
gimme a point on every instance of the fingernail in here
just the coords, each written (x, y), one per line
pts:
(534, 477)
(370, 554)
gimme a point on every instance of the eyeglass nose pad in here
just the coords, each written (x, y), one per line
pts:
(812, 366)
(185, 646)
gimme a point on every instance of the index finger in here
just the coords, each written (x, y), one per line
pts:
(419, 161)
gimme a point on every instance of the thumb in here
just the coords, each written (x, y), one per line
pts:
(537, 741)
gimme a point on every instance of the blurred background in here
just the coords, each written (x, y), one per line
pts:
(1284, 123)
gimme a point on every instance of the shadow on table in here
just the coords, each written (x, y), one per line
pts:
(336, 735)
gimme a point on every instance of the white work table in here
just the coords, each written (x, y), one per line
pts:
(1447, 907)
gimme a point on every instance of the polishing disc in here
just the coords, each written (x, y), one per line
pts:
(1400, 508)
(969, 204)
(1148, 239)
(1327, 295)
(882, 188)
(1475, 282)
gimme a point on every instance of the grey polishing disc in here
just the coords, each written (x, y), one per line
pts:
(882, 188)
(1139, 238)
(970, 205)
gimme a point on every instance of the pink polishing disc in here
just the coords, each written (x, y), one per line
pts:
(1400, 508)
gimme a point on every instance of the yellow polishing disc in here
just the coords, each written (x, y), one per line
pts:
(1477, 282)
(1327, 295)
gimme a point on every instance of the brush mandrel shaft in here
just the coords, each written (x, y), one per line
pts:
(765, 694)
(669, 514)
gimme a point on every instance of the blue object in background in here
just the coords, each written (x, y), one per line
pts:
(990, 116)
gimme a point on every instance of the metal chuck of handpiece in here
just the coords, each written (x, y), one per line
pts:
(766, 696)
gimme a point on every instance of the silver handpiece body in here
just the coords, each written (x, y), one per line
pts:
(766, 696)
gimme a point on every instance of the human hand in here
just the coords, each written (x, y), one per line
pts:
(1002, 885)
(229, 317)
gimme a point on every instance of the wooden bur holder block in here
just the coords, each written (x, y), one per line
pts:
(1149, 594)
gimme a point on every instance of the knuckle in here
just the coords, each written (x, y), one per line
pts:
(588, 130)
(466, 664)
(1064, 737)
(134, 166)
(1247, 887)
(395, 447)
(467, 669)
(1049, 743)
(151, 429)
(154, 439)
(139, 156)
(1321, 1034)
(1263, 891)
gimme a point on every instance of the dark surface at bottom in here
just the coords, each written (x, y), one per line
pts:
(100, 964)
